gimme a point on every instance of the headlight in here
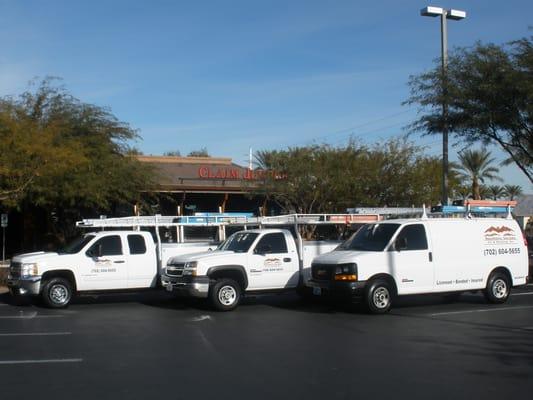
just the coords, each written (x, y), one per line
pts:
(29, 269)
(189, 269)
(346, 272)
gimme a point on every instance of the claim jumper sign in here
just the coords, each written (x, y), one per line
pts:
(237, 174)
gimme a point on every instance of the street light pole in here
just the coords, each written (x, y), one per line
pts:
(444, 16)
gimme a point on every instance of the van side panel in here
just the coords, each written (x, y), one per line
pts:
(465, 252)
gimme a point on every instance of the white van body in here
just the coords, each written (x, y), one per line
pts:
(425, 256)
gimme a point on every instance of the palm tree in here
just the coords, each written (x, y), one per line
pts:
(484, 192)
(512, 191)
(476, 166)
(496, 191)
(463, 191)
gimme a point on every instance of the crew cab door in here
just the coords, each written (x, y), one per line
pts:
(142, 262)
(411, 260)
(272, 264)
(104, 265)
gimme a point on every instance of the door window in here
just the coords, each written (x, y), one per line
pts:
(412, 237)
(272, 243)
(107, 246)
(136, 244)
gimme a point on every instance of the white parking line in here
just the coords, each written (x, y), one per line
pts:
(36, 334)
(60, 360)
(31, 316)
(522, 294)
(480, 310)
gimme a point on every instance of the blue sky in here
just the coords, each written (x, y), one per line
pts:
(230, 75)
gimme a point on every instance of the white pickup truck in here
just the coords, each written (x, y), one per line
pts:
(111, 260)
(255, 260)
(98, 261)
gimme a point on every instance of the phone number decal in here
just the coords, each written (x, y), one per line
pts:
(495, 252)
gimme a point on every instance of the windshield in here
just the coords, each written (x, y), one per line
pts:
(238, 242)
(371, 237)
(76, 245)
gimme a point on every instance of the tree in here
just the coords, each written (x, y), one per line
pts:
(199, 153)
(489, 92)
(496, 191)
(476, 166)
(463, 191)
(175, 153)
(60, 157)
(512, 191)
(322, 178)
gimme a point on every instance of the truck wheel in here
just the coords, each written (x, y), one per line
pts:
(225, 294)
(498, 288)
(378, 297)
(56, 293)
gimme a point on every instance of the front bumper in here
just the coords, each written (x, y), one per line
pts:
(341, 289)
(30, 285)
(191, 286)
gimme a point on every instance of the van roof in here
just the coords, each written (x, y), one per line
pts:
(435, 220)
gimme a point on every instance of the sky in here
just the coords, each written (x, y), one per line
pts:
(233, 75)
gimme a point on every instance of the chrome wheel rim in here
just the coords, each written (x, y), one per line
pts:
(381, 297)
(499, 288)
(59, 294)
(227, 295)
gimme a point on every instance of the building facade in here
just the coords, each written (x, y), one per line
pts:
(185, 185)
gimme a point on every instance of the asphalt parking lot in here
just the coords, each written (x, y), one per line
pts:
(152, 345)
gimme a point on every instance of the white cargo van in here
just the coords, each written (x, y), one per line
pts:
(414, 256)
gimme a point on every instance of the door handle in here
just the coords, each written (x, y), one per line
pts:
(430, 256)
(119, 262)
(287, 259)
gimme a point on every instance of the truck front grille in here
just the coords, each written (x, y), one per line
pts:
(15, 270)
(323, 272)
(175, 269)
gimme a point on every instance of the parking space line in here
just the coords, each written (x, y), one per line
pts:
(60, 360)
(479, 310)
(522, 294)
(29, 316)
(36, 334)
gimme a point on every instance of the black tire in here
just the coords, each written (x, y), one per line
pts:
(378, 297)
(225, 294)
(56, 293)
(498, 288)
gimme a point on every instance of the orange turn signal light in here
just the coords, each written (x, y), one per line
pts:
(344, 277)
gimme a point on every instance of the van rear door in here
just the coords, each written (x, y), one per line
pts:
(411, 260)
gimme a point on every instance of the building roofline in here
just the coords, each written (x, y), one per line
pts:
(185, 160)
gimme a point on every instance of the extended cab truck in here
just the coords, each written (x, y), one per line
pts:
(109, 260)
(415, 256)
(255, 260)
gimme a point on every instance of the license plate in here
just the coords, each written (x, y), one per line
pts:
(169, 287)
(317, 291)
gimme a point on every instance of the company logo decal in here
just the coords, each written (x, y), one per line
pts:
(500, 235)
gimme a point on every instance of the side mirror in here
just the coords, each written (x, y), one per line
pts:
(400, 244)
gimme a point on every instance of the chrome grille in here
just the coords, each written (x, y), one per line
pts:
(175, 269)
(15, 269)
